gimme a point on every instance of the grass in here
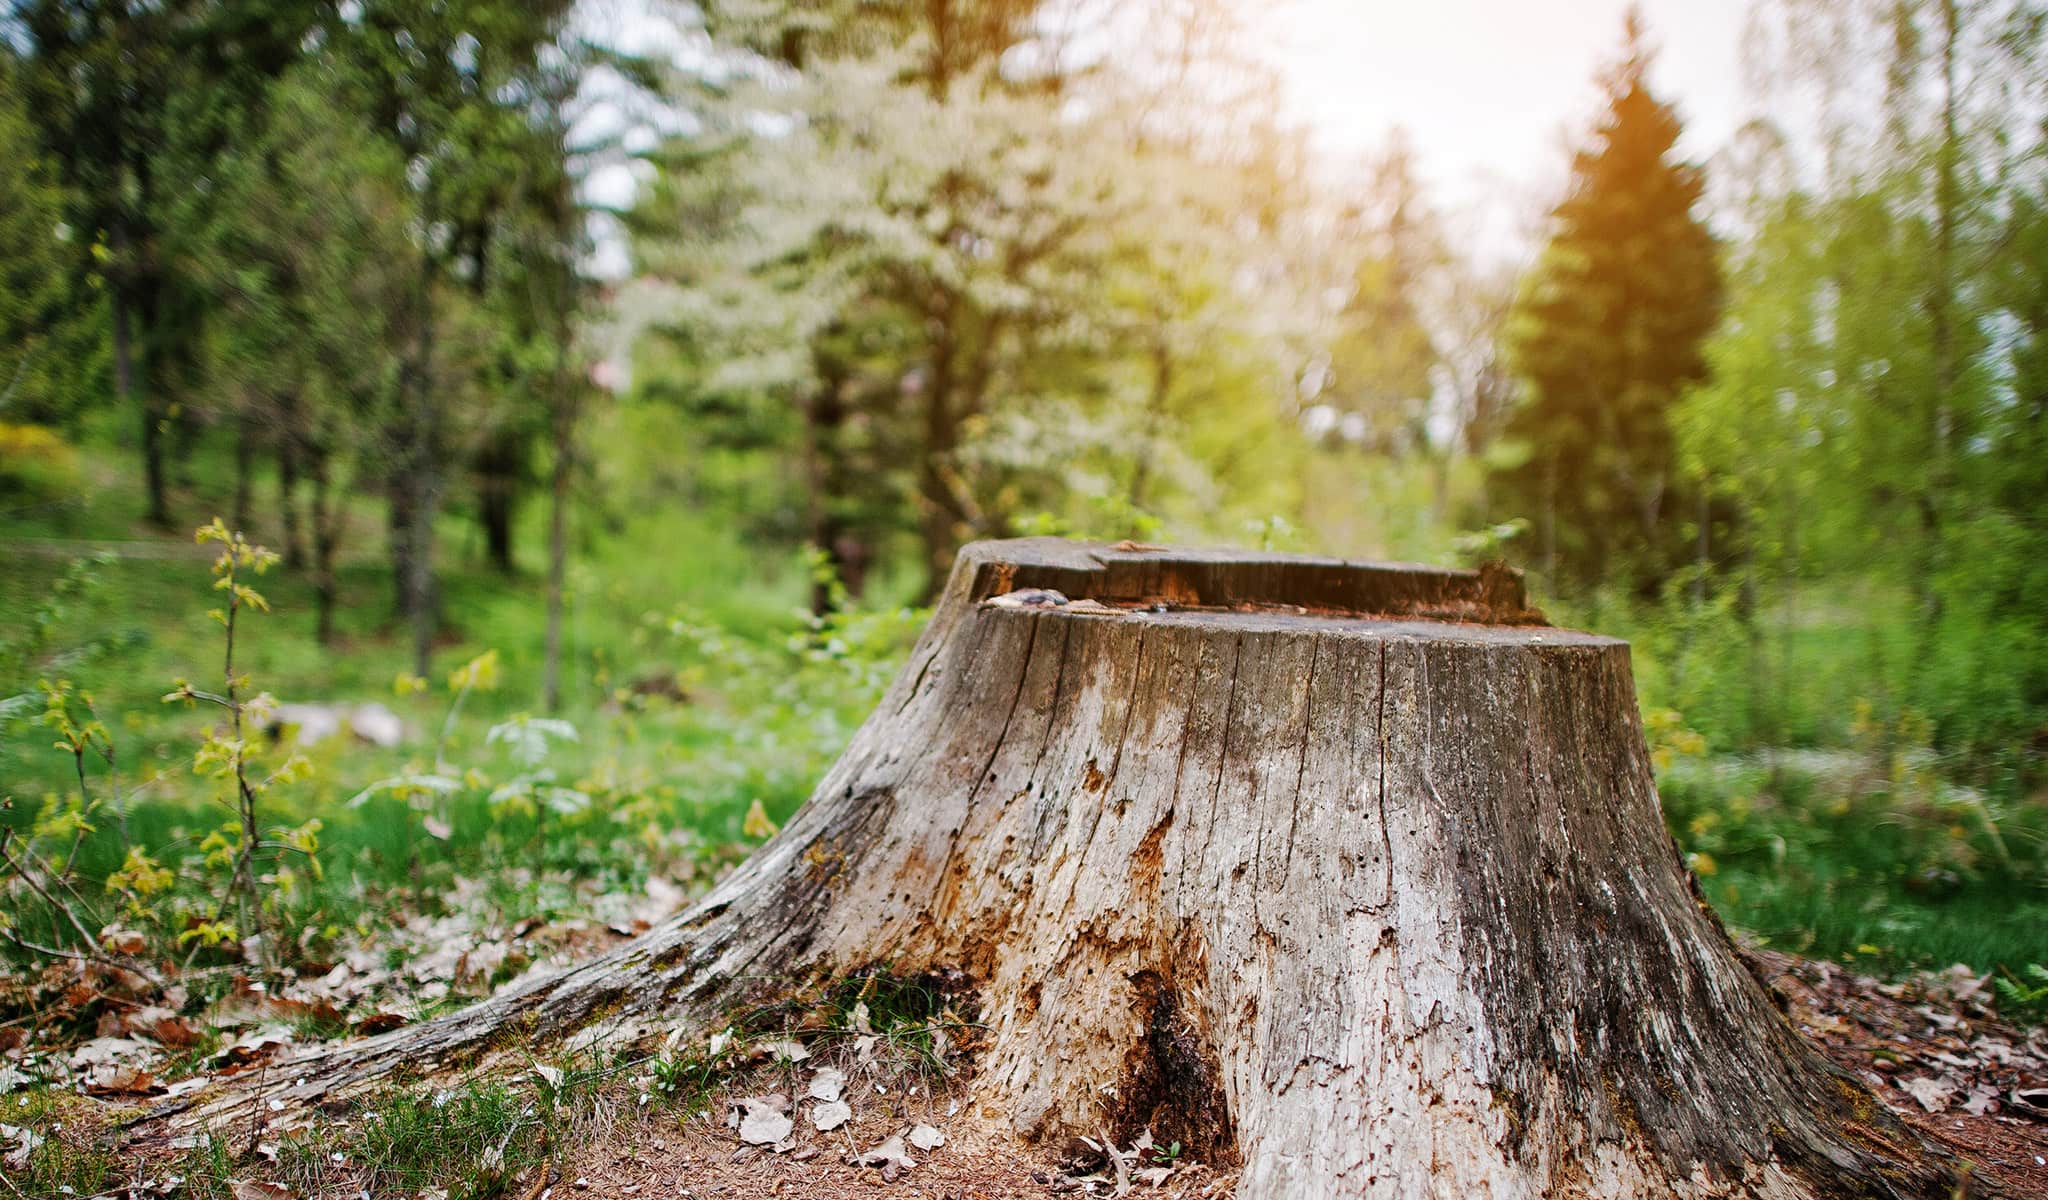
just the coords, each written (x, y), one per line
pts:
(1890, 871)
(695, 689)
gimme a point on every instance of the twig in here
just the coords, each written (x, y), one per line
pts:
(75, 956)
(29, 878)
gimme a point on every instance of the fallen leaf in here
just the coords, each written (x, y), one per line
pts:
(25, 1142)
(827, 1084)
(926, 1137)
(1152, 1176)
(120, 1079)
(108, 1049)
(119, 939)
(787, 1050)
(1931, 1094)
(256, 1045)
(380, 1022)
(256, 1189)
(760, 1124)
(890, 1156)
(1983, 1098)
(830, 1115)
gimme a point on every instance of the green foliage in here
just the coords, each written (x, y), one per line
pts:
(1606, 333)
(1827, 853)
(2020, 998)
(32, 292)
(1875, 408)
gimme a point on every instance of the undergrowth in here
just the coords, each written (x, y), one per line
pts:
(477, 1137)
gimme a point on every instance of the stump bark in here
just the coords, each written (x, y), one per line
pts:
(1350, 875)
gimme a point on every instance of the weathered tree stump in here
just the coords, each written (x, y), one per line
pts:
(1350, 874)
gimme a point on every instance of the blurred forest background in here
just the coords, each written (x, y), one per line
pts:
(624, 513)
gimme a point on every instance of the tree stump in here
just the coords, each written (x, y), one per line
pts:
(1350, 875)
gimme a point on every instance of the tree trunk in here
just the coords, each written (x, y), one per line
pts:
(245, 469)
(562, 474)
(498, 468)
(289, 450)
(326, 532)
(157, 509)
(1352, 876)
(398, 510)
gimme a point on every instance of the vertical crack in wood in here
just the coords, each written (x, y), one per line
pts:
(1104, 800)
(1308, 716)
(1386, 835)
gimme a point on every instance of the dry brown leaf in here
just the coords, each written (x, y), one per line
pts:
(760, 1124)
(827, 1084)
(256, 1189)
(380, 1022)
(892, 1156)
(120, 1079)
(1931, 1094)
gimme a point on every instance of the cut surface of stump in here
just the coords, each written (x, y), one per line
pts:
(1351, 876)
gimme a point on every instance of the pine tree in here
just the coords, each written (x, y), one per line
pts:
(1605, 335)
(31, 269)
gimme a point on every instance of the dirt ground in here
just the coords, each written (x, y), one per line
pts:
(981, 1160)
(1933, 1050)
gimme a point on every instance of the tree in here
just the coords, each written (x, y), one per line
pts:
(98, 74)
(32, 272)
(1875, 400)
(949, 297)
(448, 87)
(1369, 900)
(1384, 361)
(1606, 334)
(303, 251)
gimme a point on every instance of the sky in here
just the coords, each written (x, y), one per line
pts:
(1491, 91)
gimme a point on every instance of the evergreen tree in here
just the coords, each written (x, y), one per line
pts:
(31, 267)
(1384, 357)
(1605, 335)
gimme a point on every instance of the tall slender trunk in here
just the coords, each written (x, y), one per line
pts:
(826, 486)
(1941, 316)
(398, 511)
(423, 501)
(320, 509)
(565, 413)
(1550, 522)
(422, 474)
(937, 518)
(817, 522)
(121, 303)
(245, 464)
(498, 469)
(1155, 418)
(289, 453)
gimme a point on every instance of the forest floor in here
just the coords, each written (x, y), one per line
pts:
(862, 1091)
(700, 708)
(1937, 1055)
